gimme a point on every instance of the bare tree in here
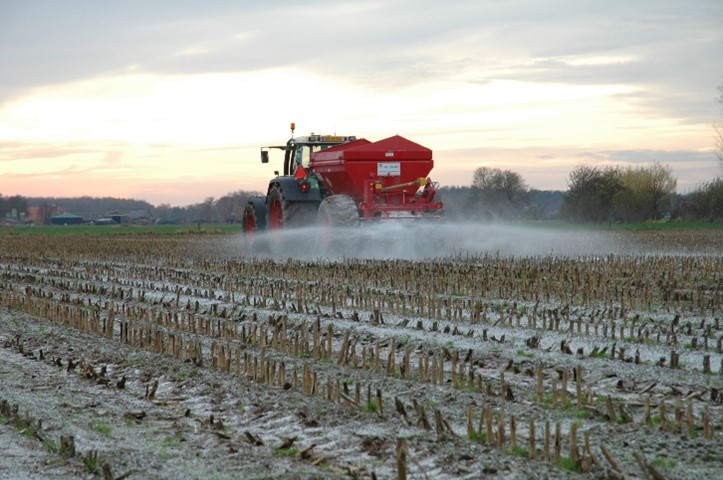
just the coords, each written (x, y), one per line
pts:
(497, 193)
(494, 182)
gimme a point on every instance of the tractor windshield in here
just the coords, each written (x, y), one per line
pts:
(303, 153)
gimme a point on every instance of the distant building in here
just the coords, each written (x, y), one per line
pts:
(40, 214)
(132, 217)
(66, 219)
(120, 218)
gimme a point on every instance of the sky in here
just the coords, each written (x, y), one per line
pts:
(169, 100)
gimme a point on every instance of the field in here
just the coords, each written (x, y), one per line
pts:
(492, 351)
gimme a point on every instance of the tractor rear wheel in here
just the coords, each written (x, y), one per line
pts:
(254, 222)
(282, 214)
(337, 214)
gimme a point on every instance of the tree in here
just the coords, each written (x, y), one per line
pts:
(646, 192)
(591, 193)
(163, 213)
(611, 193)
(706, 202)
(230, 207)
(497, 183)
(13, 206)
(498, 193)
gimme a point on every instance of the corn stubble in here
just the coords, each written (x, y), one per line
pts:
(549, 360)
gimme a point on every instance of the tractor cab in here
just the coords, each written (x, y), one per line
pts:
(298, 150)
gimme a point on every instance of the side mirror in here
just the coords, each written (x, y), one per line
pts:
(264, 156)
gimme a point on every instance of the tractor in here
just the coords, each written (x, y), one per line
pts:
(333, 181)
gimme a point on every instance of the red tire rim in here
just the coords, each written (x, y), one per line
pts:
(249, 228)
(276, 220)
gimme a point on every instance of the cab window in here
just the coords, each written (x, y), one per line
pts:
(303, 155)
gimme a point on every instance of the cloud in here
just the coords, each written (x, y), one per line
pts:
(16, 151)
(347, 39)
(644, 156)
(162, 87)
(112, 159)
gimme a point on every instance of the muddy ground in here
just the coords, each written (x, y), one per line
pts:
(189, 357)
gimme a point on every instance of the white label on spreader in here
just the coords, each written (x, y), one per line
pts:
(388, 169)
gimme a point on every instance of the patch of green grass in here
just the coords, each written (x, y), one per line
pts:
(519, 451)
(675, 225)
(640, 226)
(171, 442)
(524, 353)
(458, 383)
(567, 406)
(568, 464)
(599, 354)
(546, 401)
(51, 445)
(164, 454)
(583, 414)
(181, 375)
(287, 452)
(90, 462)
(27, 429)
(102, 230)
(654, 420)
(479, 437)
(371, 407)
(664, 462)
(103, 428)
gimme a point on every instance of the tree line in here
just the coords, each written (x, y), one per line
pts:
(607, 194)
(225, 209)
(595, 194)
(611, 194)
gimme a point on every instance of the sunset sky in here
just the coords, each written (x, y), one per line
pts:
(169, 101)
